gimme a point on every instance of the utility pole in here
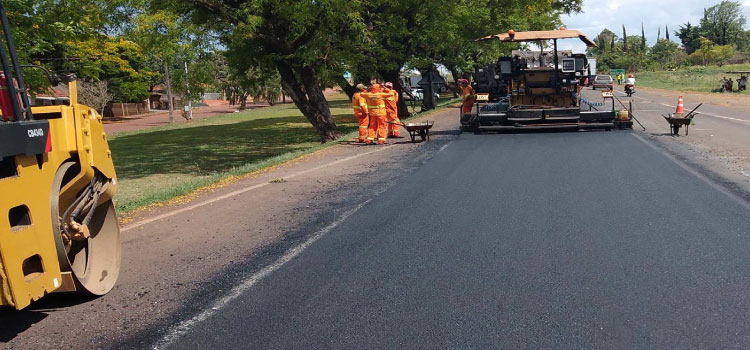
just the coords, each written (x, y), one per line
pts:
(190, 100)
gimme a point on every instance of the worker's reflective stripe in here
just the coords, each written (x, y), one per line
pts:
(357, 107)
(371, 138)
(381, 138)
(363, 126)
(378, 106)
(389, 99)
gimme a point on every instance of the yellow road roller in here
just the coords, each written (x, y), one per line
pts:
(58, 226)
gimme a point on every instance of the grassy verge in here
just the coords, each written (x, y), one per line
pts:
(161, 163)
(695, 78)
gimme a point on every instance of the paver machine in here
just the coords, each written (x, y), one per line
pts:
(533, 91)
(58, 226)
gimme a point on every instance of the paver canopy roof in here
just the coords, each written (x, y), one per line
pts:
(540, 35)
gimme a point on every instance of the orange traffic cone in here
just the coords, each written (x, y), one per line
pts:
(680, 106)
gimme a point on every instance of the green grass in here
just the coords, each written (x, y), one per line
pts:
(161, 163)
(695, 78)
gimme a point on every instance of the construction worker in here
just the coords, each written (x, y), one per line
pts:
(376, 109)
(391, 109)
(467, 95)
(359, 104)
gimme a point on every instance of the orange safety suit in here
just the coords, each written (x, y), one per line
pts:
(359, 104)
(391, 109)
(467, 96)
(376, 107)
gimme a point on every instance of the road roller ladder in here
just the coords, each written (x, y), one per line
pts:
(58, 226)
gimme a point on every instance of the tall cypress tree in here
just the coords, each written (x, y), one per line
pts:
(643, 39)
(667, 31)
(624, 39)
(658, 34)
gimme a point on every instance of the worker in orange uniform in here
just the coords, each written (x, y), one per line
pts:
(467, 95)
(359, 104)
(376, 109)
(391, 110)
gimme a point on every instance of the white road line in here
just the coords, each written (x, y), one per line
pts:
(697, 113)
(444, 147)
(243, 190)
(712, 115)
(176, 332)
(695, 173)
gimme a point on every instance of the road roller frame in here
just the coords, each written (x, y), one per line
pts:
(53, 159)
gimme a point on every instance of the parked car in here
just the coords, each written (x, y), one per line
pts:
(603, 81)
(417, 93)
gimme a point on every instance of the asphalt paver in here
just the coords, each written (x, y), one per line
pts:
(523, 240)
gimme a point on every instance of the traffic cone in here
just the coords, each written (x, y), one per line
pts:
(680, 107)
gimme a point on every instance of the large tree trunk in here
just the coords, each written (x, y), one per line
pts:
(308, 97)
(394, 77)
(349, 89)
(243, 101)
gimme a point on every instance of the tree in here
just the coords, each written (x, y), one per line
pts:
(624, 39)
(722, 53)
(94, 94)
(690, 36)
(48, 32)
(666, 31)
(161, 34)
(416, 33)
(664, 53)
(119, 62)
(705, 54)
(643, 39)
(304, 41)
(604, 38)
(724, 23)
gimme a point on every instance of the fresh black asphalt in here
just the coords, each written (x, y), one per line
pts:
(532, 240)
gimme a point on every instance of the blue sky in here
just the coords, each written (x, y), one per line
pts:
(612, 14)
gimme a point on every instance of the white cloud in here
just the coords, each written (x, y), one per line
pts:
(598, 14)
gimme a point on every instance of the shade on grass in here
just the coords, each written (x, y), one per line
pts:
(157, 163)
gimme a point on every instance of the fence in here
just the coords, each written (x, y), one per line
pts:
(118, 110)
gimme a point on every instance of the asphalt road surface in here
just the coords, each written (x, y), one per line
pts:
(527, 240)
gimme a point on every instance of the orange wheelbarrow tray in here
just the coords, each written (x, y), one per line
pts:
(421, 129)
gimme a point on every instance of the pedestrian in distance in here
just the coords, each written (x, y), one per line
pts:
(359, 104)
(391, 109)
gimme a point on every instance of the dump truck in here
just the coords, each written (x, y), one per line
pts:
(58, 226)
(533, 90)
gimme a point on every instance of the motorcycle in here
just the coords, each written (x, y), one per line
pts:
(629, 89)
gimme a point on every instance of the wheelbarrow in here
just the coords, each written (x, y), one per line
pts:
(676, 121)
(417, 129)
